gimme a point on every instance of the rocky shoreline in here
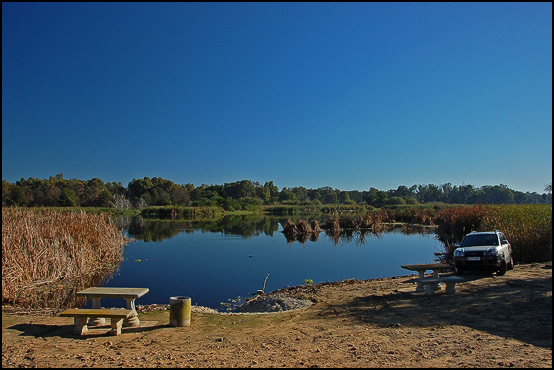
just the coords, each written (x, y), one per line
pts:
(265, 303)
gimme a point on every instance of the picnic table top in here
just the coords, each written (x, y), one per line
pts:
(96, 312)
(113, 292)
(427, 266)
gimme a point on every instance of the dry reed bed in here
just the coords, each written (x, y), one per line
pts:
(41, 248)
(301, 227)
(369, 220)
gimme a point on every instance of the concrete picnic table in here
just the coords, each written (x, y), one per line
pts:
(421, 268)
(129, 294)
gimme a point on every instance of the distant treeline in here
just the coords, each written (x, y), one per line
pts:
(245, 194)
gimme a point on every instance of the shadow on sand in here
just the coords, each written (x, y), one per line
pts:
(520, 309)
(66, 331)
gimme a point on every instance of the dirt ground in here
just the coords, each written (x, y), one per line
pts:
(491, 321)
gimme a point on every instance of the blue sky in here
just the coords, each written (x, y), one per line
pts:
(350, 96)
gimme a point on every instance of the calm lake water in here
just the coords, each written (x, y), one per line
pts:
(212, 262)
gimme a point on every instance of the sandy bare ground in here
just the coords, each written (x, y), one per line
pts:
(491, 321)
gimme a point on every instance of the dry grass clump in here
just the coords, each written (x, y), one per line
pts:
(369, 220)
(41, 248)
(315, 226)
(332, 225)
(301, 231)
(302, 227)
(290, 228)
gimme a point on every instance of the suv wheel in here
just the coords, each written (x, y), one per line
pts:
(458, 270)
(502, 270)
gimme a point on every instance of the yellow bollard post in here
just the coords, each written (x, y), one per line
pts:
(179, 311)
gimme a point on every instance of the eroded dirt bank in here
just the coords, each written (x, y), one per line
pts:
(491, 321)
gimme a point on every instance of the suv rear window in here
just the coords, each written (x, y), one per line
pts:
(474, 240)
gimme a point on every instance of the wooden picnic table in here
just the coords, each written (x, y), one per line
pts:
(421, 268)
(129, 294)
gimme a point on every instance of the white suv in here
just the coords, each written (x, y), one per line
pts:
(484, 250)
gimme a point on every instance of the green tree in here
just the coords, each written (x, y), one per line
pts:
(300, 192)
(104, 198)
(377, 198)
(116, 188)
(67, 198)
(344, 197)
(286, 195)
(239, 189)
(328, 195)
(180, 196)
(6, 189)
(548, 196)
(249, 203)
(401, 191)
(138, 188)
(92, 190)
(314, 195)
(230, 204)
(17, 196)
(160, 197)
(395, 201)
(52, 194)
(270, 193)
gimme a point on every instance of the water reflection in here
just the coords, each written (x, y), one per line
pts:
(356, 236)
(246, 226)
(302, 238)
(338, 237)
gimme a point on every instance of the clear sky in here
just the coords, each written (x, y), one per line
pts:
(351, 96)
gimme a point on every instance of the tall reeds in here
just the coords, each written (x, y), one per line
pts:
(42, 248)
(335, 223)
(527, 227)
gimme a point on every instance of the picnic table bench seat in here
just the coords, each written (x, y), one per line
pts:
(421, 268)
(81, 316)
(430, 283)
